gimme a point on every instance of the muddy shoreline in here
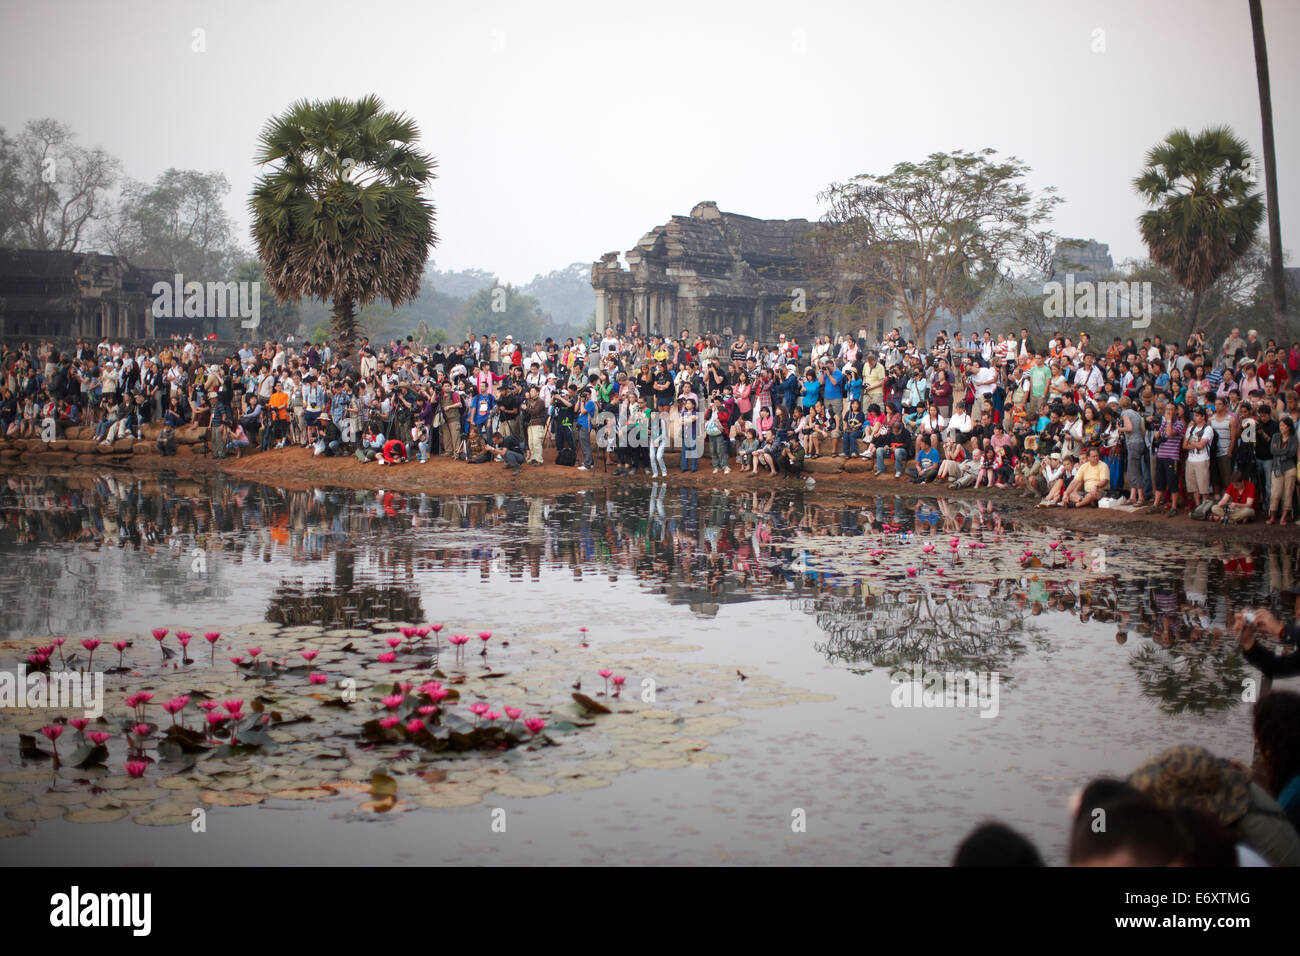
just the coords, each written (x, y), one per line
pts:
(299, 469)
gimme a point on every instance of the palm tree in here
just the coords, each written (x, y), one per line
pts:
(341, 215)
(1205, 214)
(1270, 163)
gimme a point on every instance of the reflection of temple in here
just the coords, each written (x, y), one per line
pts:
(68, 294)
(710, 271)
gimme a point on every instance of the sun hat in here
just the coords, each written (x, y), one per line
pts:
(1194, 777)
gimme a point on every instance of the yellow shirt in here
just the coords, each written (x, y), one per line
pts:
(1092, 476)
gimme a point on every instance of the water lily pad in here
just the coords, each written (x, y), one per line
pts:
(33, 813)
(63, 798)
(165, 815)
(508, 786)
(231, 798)
(301, 793)
(90, 815)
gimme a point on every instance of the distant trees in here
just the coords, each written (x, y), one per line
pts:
(53, 191)
(934, 235)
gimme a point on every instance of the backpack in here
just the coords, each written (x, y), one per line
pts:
(565, 457)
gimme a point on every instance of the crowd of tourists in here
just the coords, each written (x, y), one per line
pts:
(1204, 427)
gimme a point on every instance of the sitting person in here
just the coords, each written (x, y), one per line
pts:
(394, 452)
(790, 459)
(167, 441)
(1238, 501)
(508, 449)
(928, 460)
(747, 450)
(895, 444)
(330, 441)
(1091, 479)
(238, 440)
(372, 443)
(476, 449)
(1058, 472)
(1029, 474)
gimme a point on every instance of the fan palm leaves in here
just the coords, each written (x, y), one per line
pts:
(1205, 213)
(341, 215)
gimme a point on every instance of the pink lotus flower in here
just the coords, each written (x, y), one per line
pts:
(393, 701)
(211, 637)
(534, 724)
(387, 657)
(428, 687)
(53, 733)
(436, 627)
(939, 571)
(215, 719)
(309, 656)
(606, 673)
(928, 549)
(317, 678)
(120, 647)
(136, 768)
(405, 686)
(209, 705)
(174, 706)
(184, 638)
(97, 737)
(140, 730)
(911, 572)
(485, 636)
(159, 633)
(414, 725)
(492, 715)
(428, 709)
(954, 542)
(407, 632)
(254, 651)
(479, 708)
(90, 644)
(439, 694)
(236, 660)
(232, 706)
(514, 713)
(618, 680)
(79, 723)
(389, 722)
(392, 641)
(1054, 545)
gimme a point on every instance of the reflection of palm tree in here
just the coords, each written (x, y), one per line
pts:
(1196, 676)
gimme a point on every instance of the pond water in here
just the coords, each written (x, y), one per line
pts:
(775, 646)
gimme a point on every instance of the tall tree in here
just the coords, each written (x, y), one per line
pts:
(52, 190)
(1205, 215)
(1276, 276)
(933, 236)
(342, 215)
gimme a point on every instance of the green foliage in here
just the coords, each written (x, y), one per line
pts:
(502, 311)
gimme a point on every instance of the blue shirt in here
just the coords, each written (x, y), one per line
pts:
(927, 457)
(834, 387)
(810, 390)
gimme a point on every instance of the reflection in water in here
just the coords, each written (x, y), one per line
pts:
(76, 551)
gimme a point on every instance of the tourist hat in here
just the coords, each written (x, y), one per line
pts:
(1194, 777)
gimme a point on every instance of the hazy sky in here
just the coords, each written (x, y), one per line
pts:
(567, 129)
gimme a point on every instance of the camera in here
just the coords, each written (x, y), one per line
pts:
(1248, 617)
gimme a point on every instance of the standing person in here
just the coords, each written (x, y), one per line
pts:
(1197, 443)
(690, 436)
(535, 414)
(716, 430)
(1226, 429)
(585, 420)
(450, 407)
(1169, 442)
(1283, 449)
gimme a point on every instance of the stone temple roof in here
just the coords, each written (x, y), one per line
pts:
(725, 253)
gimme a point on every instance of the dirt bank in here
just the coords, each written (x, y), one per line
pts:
(298, 468)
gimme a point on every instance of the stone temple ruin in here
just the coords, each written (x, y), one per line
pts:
(712, 272)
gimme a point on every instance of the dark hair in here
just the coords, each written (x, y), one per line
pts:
(994, 844)
(1277, 730)
(1150, 834)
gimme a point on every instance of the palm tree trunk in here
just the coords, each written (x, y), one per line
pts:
(1270, 164)
(1192, 315)
(344, 317)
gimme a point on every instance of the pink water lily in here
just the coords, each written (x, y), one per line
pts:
(232, 706)
(478, 707)
(158, 634)
(53, 733)
(120, 647)
(389, 722)
(393, 701)
(90, 644)
(211, 637)
(237, 660)
(254, 651)
(928, 549)
(606, 673)
(514, 713)
(414, 725)
(911, 572)
(492, 715)
(317, 678)
(534, 724)
(387, 657)
(309, 656)
(392, 641)
(79, 724)
(428, 709)
(136, 768)
(98, 737)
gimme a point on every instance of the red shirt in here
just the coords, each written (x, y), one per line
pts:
(1241, 493)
